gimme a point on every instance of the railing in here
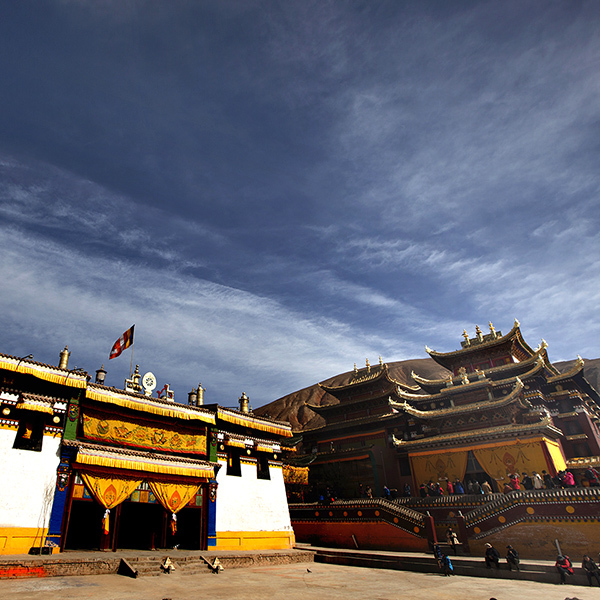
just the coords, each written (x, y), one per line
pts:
(392, 507)
(503, 501)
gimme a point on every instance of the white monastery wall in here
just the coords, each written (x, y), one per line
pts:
(247, 503)
(28, 481)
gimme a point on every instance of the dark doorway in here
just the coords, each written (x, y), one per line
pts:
(141, 526)
(85, 525)
(190, 534)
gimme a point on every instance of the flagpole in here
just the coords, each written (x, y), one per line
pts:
(131, 363)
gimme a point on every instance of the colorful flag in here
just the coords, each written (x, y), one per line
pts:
(122, 343)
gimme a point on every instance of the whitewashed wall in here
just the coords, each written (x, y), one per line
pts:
(249, 504)
(28, 480)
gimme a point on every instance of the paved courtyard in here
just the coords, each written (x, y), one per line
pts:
(290, 582)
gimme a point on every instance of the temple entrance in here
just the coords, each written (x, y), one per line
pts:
(85, 525)
(190, 535)
(141, 526)
(475, 472)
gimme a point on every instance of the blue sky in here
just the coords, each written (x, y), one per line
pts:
(272, 191)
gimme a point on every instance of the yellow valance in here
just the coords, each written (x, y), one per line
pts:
(103, 428)
(131, 462)
(295, 475)
(47, 373)
(253, 423)
(110, 491)
(36, 406)
(173, 496)
(149, 405)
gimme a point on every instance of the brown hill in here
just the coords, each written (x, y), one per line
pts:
(292, 407)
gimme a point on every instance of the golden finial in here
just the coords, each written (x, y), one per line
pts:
(492, 330)
(478, 333)
(368, 366)
(466, 336)
(355, 369)
(517, 324)
(380, 361)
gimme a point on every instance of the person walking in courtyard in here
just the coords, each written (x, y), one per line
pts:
(512, 558)
(491, 557)
(591, 569)
(452, 539)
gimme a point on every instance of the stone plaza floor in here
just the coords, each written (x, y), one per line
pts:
(300, 581)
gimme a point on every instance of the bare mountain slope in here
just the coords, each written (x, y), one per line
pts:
(292, 408)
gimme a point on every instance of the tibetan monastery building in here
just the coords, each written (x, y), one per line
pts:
(503, 408)
(89, 466)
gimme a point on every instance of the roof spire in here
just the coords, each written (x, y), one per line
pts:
(368, 366)
(466, 336)
(492, 331)
(478, 333)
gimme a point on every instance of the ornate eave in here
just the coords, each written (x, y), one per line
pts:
(504, 431)
(76, 378)
(434, 386)
(440, 413)
(572, 372)
(148, 404)
(364, 376)
(237, 417)
(514, 338)
(374, 420)
(462, 388)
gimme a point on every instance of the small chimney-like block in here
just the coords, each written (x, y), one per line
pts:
(244, 403)
(100, 375)
(64, 359)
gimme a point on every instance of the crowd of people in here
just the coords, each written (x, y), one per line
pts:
(516, 482)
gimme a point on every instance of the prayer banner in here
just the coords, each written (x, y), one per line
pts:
(171, 439)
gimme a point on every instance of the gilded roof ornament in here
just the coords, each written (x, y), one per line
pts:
(517, 324)
(466, 336)
(368, 366)
(380, 361)
(492, 330)
(478, 333)
(428, 350)
(463, 376)
(355, 369)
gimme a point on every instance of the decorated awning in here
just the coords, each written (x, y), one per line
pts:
(156, 406)
(89, 455)
(43, 371)
(36, 406)
(261, 424)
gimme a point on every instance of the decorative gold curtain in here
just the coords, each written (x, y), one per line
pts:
(438, 466)
(556, 455)
(109, 491)
(173, 496)
(512, 457)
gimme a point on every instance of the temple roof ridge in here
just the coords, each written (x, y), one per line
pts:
(465, 408)
(539, 364)
(483, 342)
(365, 375)
(458, 437)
